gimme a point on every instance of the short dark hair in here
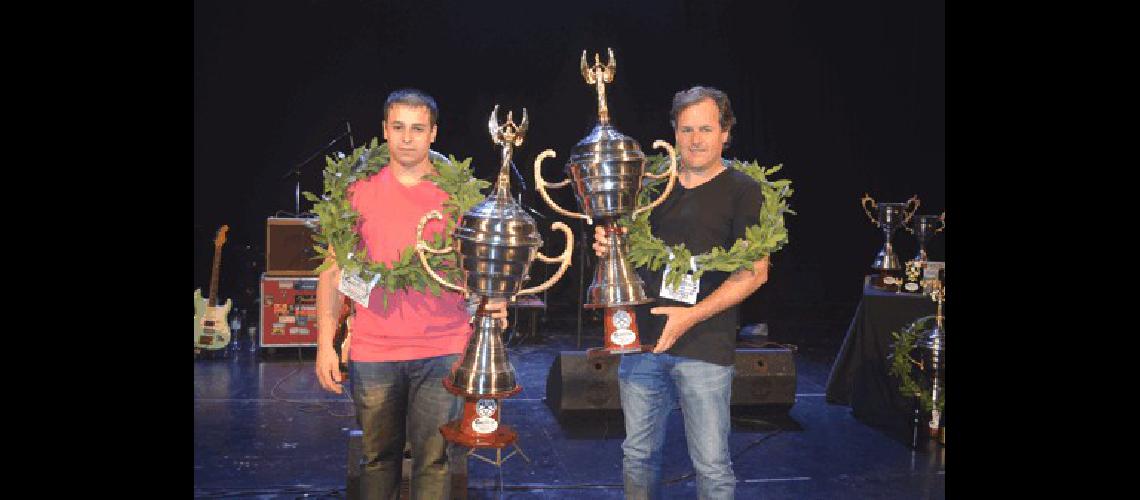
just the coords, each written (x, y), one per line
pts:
(686, 98)
(412, 97)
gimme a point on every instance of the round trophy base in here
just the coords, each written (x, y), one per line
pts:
(456, 432)
(601, 352)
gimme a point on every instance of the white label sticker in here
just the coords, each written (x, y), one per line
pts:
(687, 290)
(622, 337)
(299, 331)
(484, 425)
(355, 287)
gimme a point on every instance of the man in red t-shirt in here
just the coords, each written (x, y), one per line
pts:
(400, 353)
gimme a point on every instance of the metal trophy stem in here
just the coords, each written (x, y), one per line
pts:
(606, 170)
(924, 231)
(496, 241)
(886, 264)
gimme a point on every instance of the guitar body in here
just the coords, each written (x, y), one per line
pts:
(211, 326)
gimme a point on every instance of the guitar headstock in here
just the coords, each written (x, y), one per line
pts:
(220, 239)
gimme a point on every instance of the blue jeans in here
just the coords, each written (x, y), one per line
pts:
(398, 401)
(650, 384)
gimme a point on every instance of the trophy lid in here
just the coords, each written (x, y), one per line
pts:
(499, 220)
(606, 144)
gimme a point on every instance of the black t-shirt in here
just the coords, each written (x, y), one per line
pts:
(713, 214)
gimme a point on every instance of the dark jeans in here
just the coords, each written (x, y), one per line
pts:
(398, 401)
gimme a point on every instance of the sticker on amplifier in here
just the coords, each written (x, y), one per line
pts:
(287, 319)
(299, 331)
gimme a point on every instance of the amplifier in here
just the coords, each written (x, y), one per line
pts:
(289, 247)
(288, 311)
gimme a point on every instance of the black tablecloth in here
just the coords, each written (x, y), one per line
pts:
(859, 375)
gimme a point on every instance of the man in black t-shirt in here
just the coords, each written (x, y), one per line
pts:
(695, 332)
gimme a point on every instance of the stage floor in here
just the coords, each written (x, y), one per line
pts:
(263, 428)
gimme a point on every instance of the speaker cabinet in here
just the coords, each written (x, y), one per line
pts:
(764, 378)
(576, 383)
(289, 247)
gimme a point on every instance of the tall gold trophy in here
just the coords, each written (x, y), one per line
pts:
(496, 241)
(606, 169)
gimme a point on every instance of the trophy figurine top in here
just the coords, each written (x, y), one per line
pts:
(598, 76)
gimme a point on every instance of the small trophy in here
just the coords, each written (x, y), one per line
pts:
(935, 344)
(924, 231)
(886, 264)
(606, 169)
(496, 241)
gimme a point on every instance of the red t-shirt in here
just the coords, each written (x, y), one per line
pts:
(414, 325)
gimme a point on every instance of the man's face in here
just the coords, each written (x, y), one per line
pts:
(700, 139)
(409, 133)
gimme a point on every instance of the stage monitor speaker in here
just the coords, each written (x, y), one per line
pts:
(289, 247)
(576, 383)
(764, 378)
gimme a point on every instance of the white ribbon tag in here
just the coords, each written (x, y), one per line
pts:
(687, 290)
(355, 287)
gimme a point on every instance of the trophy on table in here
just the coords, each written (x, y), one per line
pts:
(495, 241)
(889, 218)
(606, 169)
(933, 344)
(924, 230)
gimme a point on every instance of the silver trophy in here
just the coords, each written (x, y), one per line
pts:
(495, 242)
(606, 170)
(889, 217)
(924, 230)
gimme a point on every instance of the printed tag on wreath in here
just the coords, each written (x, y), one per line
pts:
(355, 288)
(687, 290)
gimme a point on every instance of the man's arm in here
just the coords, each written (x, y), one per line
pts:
(328, 311)
(733, 291)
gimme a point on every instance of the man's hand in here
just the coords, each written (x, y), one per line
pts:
(328, 370)
(680, 320)
(601, 242)
(498, 310)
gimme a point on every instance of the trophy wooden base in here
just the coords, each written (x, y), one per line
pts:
(620, 325)
(466, 431)
(459, 432)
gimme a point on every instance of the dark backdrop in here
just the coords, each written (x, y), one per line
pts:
(849, 96)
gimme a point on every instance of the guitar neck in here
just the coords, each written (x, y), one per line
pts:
(214, 277)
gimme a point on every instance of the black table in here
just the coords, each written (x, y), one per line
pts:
(859, 375)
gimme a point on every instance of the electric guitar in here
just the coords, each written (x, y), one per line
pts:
(211, 329)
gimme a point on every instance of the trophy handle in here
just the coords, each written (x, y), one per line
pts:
(422, 247)
(671, 172)
(541, 185)
(913, 199)
(863, 202)
(942, 221)
(564, 259)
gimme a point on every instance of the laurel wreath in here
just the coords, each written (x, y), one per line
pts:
(338, 221)
(902, 364)
(764, 238)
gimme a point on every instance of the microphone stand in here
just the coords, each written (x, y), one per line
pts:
(296, 170)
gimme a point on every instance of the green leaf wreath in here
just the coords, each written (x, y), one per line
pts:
(766, 237)
(902, 364)
(338, 221)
